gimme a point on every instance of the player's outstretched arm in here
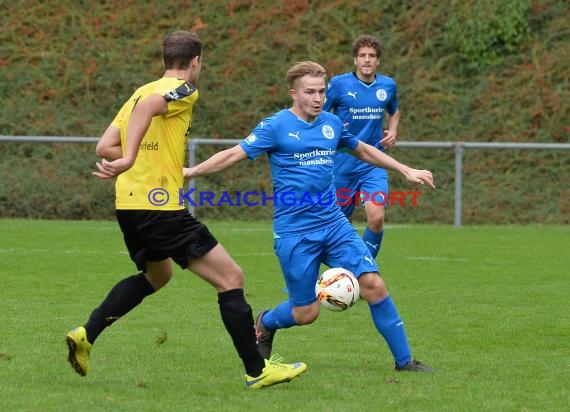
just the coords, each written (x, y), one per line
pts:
(218, 162)
(375, 157)
(419, 176)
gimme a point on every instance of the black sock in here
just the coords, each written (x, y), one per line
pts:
(238, 320)
(124, 296)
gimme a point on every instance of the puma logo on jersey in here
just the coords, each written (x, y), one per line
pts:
(353, 94)
(366, 258)
(295, 135)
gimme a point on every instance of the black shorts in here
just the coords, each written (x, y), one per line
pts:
(153, 235)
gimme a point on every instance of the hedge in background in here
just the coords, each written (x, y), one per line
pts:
(67, 67)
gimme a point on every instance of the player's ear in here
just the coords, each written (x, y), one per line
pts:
(293, 94)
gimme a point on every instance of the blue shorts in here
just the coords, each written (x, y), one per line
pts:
(373, 186)
(300, 256)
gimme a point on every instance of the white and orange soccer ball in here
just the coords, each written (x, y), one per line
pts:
(337, 289)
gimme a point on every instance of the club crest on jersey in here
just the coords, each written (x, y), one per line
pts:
(381, 94)
(250, 139)
(328, 132)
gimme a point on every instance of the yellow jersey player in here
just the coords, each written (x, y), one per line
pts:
(144, 147)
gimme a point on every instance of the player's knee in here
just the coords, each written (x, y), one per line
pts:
(375, 219)
(159, 279)
(372, 287)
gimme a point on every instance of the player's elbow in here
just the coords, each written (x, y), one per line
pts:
(100, 150)
(108, 152)
(104, 151)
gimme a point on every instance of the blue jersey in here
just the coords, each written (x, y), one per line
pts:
(361, 108)
(301, 157)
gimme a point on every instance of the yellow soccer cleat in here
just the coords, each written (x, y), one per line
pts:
(79, 348)
(275, 372)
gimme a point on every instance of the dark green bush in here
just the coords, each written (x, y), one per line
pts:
(484, 32)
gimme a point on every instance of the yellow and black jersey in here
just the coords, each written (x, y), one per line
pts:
(153, 182)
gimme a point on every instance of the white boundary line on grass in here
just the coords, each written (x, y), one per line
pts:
(437, 258)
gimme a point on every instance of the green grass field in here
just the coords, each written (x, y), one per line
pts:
(488, 307)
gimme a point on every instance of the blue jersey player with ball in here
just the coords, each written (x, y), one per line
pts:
(309, 227)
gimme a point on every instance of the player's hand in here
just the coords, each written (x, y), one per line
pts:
(108, 170)
(389, 139)
(420, 176)
(187, 172)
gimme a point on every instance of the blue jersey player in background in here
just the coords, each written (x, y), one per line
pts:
(309, 227)
(361, 99)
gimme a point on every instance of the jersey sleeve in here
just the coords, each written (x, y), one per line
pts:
(177, 99)
(331, 96)
(260, 140)
(120, 117)
(347, 140)
(392, 105)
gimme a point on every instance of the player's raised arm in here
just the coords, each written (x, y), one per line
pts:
(218, 162)
(372, 155)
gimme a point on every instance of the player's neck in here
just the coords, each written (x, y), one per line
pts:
(364, 78)
(179, 74)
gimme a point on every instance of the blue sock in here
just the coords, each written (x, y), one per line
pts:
(280, 317)
(373, 241)
(391, 327)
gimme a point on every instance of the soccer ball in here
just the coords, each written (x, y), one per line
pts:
(337, 289)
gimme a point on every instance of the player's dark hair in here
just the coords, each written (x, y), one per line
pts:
(179, 48)
(305, 68)
(366, 41)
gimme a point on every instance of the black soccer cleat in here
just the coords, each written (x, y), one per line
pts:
(263, 336)
(414, 366)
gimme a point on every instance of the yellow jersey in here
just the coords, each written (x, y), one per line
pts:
(154, 180)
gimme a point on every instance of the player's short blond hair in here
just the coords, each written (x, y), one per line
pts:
(306, 68)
